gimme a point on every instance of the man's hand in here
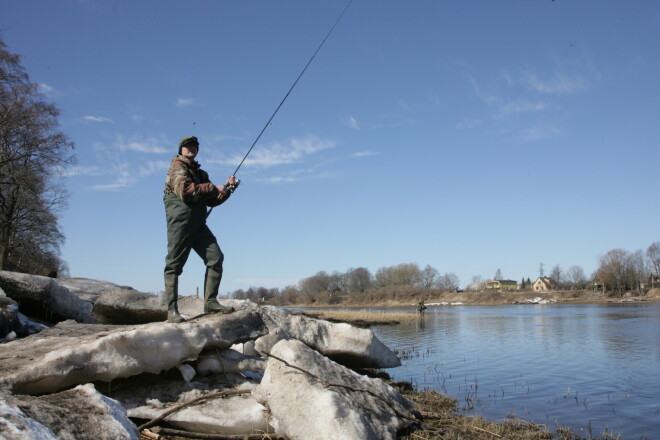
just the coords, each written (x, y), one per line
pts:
(232, 183)
(228, 188)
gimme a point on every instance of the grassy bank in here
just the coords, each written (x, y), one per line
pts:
(407, 298)
(440, 420)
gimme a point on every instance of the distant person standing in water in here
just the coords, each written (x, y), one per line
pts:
(421, 307)
(188, 194)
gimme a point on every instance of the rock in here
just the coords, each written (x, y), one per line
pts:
(13, 323)
(265, 344)
(246, 348)
(305, 407)
(90, 290)
(123, 306)
(70, 354)
(81, 413)
(343, 343)
(9, 337)
(8, 315)
(45, 298)
(129, 306)
(228, 361)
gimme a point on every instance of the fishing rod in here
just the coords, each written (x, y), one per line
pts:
(233, 187)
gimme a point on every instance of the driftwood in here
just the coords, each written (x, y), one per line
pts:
(202, 436)
(161, 417)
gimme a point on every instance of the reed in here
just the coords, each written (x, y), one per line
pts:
(365, 316)
(441, 420)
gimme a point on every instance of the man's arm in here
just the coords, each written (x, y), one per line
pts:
(185, 187)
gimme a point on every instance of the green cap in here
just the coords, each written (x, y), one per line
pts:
(187, 140)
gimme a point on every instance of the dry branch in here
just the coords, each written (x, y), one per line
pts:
(203, 436)
(161, 417)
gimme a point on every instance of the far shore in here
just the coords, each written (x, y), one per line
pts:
(496, 298)
(389, 312)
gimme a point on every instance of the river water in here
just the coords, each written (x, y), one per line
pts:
(592, 368)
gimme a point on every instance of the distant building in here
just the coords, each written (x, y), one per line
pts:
(501, 285)
(544, 284)
(653, 281)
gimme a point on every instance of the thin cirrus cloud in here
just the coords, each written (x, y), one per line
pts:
(364, 154)
(91, 118)
(559, 83)
(295, 150)
(352, 123)
(149, 145)
(152, 167)
(185, 102)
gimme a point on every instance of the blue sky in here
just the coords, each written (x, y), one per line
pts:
(471, 136)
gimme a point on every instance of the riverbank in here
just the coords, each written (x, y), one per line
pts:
(440, 420)
(490, 298)
(363, 315)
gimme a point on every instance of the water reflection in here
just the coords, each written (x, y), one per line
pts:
(579, 366)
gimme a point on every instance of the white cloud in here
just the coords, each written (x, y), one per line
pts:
(150, 145)
(124, 177)
(352, 122)
(82, 171)
(47, 90)
(278, 154)
(153, 166)
(520, 106)
(364, 154)
(538, 132)
(97, 119)
(185, 102)
(558, 83)
(277, 179)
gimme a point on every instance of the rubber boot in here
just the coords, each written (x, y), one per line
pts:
(211, 288)
(171, 297)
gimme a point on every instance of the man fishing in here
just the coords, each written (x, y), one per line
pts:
(188, 193)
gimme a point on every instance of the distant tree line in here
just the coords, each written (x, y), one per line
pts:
(357, 285)
(33, 154)
(619, 271)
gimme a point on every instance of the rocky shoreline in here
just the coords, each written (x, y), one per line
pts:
(88, 359)
(106, 365)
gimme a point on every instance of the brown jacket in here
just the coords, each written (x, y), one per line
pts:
(191, 184)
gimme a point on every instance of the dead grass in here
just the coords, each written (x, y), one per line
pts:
(440, 420)
(362, 317)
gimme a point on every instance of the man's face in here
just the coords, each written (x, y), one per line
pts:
(190, 150)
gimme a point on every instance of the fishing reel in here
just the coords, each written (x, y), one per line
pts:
(233, 187)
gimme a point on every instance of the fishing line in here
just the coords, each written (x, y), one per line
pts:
(294, 85)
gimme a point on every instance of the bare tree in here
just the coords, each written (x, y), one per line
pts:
(358, 279)
(428, 277)
(653, 255)
(32, 154)
(498, 275)
(557, 274)
(637, 270)
(477, 283)
(310, 287)
(576, 277)
(449, 281)
(612, 270)
(405, 274)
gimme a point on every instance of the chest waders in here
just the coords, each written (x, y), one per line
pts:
(186, 231)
